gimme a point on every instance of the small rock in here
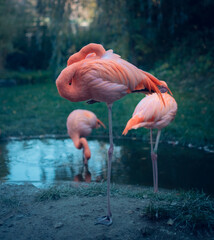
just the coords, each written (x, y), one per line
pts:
(170, 222)
(1, 223)
(129, 211)
(20, 216)
(10, 216)
(206, 149)
(58, 225)
(146, 231)
(190, 145)
(173, 203)
(84, 215)
(167, 232)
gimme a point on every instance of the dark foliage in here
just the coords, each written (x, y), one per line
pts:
(42, 35)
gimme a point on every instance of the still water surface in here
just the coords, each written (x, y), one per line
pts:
(52, 160)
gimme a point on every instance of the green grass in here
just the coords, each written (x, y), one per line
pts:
(27, 77)
(186, 209)
(38, 109)
(83, 190)
(190, 209)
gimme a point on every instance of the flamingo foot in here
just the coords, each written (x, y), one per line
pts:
(105, 220)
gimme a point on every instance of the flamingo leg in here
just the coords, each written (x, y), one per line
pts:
(157, 141)
(156, 163)
(107, 220)
(153, 161)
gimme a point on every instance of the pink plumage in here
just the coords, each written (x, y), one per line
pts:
(104, 77)
(79, 125)
(98, 75)
(152, 113)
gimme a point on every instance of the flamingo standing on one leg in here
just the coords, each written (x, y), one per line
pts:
(79, 125)
(152, 113)
(97, 75)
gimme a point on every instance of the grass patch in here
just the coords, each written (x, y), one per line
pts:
(10, 202)
(38, 109)
(192, 210)
(81, 190)
(27, 77)
(185, 209)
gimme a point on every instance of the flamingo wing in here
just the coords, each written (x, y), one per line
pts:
(120, 72)
(152, 113)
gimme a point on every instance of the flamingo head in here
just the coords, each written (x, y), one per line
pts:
(99, 124)
(68, 85)
(164, 87)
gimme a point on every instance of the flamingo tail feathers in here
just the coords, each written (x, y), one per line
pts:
(150, 85)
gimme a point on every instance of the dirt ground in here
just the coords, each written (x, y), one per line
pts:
(71, 218)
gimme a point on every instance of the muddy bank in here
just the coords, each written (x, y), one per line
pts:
(23, 216)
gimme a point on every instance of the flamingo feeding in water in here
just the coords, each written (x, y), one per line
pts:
(152, 113)
(96, 75)
(79, 125)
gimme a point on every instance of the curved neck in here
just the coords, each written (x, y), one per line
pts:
(82, 143)
(98, 49)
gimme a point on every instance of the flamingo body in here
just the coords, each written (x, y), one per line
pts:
(104, 77)
(79, 125)
(152, 113)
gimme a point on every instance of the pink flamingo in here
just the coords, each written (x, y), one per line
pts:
(152, 113)
(103, 76)
(79, 125)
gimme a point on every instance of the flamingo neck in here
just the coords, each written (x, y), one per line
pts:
(82, 143)
(98, 49)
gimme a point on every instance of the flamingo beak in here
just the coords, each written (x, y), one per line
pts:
(163, 89)
(100, 123)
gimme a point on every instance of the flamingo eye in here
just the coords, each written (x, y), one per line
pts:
(70, 82)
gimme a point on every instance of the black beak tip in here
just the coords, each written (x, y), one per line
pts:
(163, 89)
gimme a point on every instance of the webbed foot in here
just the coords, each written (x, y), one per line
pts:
(105, 220)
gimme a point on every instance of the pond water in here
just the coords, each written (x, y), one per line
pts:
(51, 160)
